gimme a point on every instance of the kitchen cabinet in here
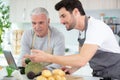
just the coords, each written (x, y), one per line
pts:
(118, 4)
(91, 4)
(100, 4)
(31, 4)
(20, 9)
(54, 16)
(108, 4)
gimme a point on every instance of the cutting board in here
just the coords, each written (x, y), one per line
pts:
(69, 77)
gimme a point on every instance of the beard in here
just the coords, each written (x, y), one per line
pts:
(73, 23)
(72, 26)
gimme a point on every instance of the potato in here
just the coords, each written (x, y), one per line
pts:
(51, 78)
(63, 78)
(46, 73)
(57, 77)
(41, 78)
(58, 72)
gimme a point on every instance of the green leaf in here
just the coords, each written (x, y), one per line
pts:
(9, 70)
(4, 18)
(1, 52)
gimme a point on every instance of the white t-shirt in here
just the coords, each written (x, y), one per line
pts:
(101, 34)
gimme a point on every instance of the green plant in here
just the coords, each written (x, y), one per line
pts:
(4, 19)
(67, 49)
(9, 71)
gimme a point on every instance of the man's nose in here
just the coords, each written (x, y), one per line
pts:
(62, 21)
(37, 25)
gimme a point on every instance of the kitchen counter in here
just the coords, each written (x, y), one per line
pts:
(84, 71)
(82, 78)
(76, 78)
(69, 77)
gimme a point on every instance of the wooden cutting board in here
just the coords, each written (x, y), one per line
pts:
(68, 77)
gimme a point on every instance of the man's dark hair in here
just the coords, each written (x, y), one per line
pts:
(69, 5)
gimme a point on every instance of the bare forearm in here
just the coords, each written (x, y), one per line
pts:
(77, 60)
(68, 60)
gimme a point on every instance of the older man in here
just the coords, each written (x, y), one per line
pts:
(42, 37)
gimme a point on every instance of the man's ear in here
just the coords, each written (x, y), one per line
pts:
(75, 12)
(49, 20)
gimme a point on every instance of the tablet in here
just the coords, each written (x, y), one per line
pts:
(10, 60)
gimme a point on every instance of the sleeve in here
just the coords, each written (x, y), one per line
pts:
(25, 47)
(59, 49)
(97, 34)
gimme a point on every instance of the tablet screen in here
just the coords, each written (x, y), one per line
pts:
(10, 60)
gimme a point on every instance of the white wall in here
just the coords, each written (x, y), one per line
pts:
(70, 37)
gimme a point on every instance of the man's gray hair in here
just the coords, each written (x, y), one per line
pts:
(40, 10)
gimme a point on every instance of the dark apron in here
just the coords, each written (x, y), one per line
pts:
(104, 64)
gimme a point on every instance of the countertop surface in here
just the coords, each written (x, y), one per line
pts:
(68, 77)
(17, 75)
(84, 71)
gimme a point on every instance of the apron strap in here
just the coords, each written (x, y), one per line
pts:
(81, 41)
(33, 41)
(49, 50)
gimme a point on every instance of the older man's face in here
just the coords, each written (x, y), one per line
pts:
(40, 24)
